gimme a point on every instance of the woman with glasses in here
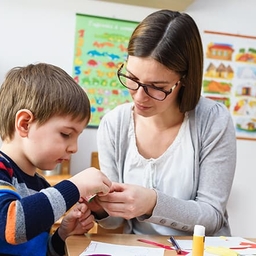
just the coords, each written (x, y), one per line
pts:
(171, 153)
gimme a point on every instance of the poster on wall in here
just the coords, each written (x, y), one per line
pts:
(230, 77)
(100, 48)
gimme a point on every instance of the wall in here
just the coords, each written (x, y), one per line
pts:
(43, 30)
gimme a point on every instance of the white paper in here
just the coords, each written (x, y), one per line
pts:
(125, 250)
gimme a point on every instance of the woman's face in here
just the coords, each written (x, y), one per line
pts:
(150, 72)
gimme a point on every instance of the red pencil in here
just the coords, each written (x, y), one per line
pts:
(168, 247)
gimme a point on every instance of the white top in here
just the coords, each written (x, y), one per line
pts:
(153, 173)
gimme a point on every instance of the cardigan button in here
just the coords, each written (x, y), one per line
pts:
(184, 228)
(162, 221)
(173, 224)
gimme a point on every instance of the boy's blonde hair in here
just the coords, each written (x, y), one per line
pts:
(44, 89)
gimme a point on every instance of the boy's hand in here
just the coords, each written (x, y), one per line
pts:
(91, 181)
(77, 221)
(94, 206)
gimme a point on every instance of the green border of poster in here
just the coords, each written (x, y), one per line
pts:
(100, 48)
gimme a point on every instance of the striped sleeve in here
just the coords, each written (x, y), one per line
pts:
(24, 217)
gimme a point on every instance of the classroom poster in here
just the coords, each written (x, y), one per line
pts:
(100, 48)
(230, 77)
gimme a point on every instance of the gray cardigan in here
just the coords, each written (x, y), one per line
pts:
(214, 142)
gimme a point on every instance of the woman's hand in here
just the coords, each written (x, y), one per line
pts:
(78, 221)
(128, 201)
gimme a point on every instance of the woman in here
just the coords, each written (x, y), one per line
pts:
(171, 153)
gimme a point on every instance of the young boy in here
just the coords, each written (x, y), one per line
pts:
(43, 111)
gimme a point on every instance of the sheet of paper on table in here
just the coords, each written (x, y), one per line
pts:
(125, 250)
(237, 244)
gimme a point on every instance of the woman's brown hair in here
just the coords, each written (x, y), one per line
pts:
(173, 39)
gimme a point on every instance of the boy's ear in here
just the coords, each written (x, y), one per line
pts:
(24, 118)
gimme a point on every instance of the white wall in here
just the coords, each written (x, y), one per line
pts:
(44, 30)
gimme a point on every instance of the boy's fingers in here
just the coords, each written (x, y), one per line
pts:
(108, 182)
(105, 190)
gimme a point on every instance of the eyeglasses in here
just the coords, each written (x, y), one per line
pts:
(151, 90)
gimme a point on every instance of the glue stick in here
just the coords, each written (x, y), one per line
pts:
(198, 241)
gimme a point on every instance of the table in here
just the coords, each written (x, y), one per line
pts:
(75, 245)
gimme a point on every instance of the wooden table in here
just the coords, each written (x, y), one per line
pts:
(75, 245)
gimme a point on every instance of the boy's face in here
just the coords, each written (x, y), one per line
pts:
(53, 142)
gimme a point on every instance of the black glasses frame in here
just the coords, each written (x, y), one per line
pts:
(144, 86)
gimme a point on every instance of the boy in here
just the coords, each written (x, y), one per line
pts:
(43, 111)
